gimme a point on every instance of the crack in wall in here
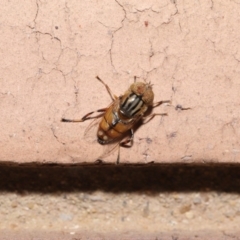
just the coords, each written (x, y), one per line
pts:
(179, 107)
(34, 20)
(55, 135)
(112, 35)
(46, 33)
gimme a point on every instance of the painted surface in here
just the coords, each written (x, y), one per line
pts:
(51, 52)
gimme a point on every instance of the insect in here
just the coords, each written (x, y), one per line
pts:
(119, 118)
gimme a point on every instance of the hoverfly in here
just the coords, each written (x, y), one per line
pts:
(119, 118)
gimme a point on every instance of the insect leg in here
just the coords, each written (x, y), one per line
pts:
(87, 116)
(156, 104)
(113, 97)
(128, 142)
(151, 116)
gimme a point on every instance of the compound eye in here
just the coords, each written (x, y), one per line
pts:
(138, 88)
(148, 96)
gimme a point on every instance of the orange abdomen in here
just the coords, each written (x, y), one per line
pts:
(111, 127)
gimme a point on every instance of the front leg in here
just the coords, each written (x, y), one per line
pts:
(156, 104)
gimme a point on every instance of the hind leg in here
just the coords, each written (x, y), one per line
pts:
(128, 142)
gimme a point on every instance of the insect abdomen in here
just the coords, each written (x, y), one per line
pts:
(110, 127)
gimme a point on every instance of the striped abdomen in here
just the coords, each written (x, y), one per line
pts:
(111, 126)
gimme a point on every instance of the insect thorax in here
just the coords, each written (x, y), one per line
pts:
(131, 105)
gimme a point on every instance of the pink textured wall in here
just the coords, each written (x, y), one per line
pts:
(51, 52)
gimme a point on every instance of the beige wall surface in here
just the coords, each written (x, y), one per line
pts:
(51, 52)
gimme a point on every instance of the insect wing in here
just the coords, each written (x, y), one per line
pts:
(91, 131)
(108, 149)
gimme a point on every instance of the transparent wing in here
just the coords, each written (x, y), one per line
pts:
(91, 130)
(126, 141)
(109, 149)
